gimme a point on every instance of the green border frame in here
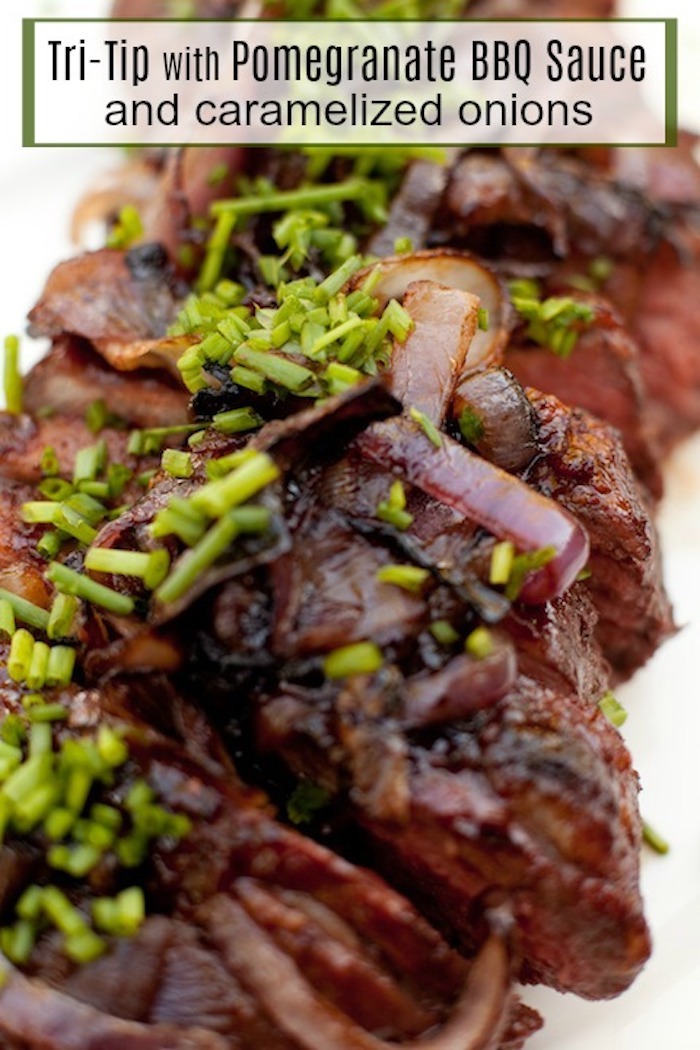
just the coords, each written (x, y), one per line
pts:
(29, 85)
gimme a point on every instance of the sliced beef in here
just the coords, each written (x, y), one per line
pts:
(107, 296)
(243, 903)
(531, 800)
(72, 376)
(602, 376)
(585, 469)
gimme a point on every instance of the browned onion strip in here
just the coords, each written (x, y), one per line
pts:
(312, 1023)
(504, 417)
(464, 685)
(452, 269)
(484, 493)
(425, 369)
(37, 1015)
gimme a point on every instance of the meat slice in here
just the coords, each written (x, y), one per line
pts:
(602, 376)
(585, 469)
(72, 376)
(239, 889)
(107, 295)
(531, 800)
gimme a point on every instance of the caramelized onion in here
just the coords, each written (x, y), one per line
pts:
(452, 269)
(504, 430)
(425, 368)
(464, 685)
(484, 493)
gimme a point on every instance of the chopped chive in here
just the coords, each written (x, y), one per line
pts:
(279, 370)
(218, 468)
(33, 807)
(111, 747)
(400, 519)
(89, 462)
(127, 229)
(55, 489)
(18, 941)
(99, 489)
(58, 823)
(108, 816)
(179, 519)
(26, 611)
(12, 379)
(39, 512)
(177, 463)
(427, 426)
(313, 196)
(408, 577)
(335, 281)
(40, 737)
(150, 566)
(77, 789)
(35, 771)
(59, 910)
(38, 666)
(143, 442)
(248, 379)
(140, 794)
(479, 643)
(502, 557)
(118, 475)
(49, 464)
(358, 658)
(71, 521)
(29, 904)
(340, 377)
(653, 839)
(525, 563)
(20, 656)
(443, 632)
(49, 713)
(398, 320)
(61, 664)
(612, 709)
(217, 246)
(12, 730)
(131, 910)
(68, 581)
(600, 268)
(237, 420)
(217, 497)
(198, 558)
(7, 618)
(84, 947)
(403, 246)
(105, 915)
(30, 700)
(50, 544)
(482, 317)
(62, 616)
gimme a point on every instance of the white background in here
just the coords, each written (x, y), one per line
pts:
(37, 191)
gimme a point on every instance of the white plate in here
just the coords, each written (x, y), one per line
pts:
(38, 189)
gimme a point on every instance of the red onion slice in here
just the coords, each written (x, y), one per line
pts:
(452, 269)
(504, 505)
(464, 685)
(425, 369)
